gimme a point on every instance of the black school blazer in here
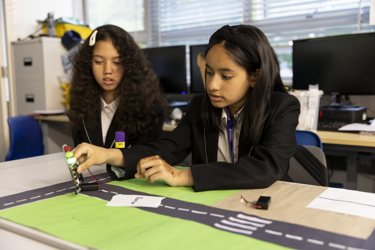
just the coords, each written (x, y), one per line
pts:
(96, 135)
(268, 162)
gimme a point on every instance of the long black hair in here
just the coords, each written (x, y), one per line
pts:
(248, 47)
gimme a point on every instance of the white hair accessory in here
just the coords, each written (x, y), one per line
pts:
(93, 38)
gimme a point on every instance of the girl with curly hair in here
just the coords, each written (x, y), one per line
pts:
(241, 132)
(114, 89)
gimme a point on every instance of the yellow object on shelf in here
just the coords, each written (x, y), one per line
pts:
(62, 28)
(66, 99)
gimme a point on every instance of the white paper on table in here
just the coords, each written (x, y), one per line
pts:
(121, 200)
(346, 201)
(358, 127)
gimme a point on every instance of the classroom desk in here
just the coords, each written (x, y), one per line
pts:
(65, 119)
(144, 228)
(54, 118)
(347, 145)
(56, 132)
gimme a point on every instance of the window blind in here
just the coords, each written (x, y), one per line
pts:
(193, 21)
(286, 21)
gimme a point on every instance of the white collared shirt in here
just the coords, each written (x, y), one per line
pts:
(108, 111)
(223, 152)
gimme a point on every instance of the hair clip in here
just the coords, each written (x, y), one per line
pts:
(93, 38)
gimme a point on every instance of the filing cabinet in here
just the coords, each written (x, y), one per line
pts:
(37, 67)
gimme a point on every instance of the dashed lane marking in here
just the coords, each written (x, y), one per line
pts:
(293, 237)
(273, 232)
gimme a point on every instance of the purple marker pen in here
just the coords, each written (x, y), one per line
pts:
(120, 139)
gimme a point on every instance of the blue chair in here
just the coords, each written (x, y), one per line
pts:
(26, 138)
(308, 138)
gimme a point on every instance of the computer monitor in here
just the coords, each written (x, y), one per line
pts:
(196, 83)
(341, 65)
(169, 64)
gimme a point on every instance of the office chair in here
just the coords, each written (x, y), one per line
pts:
(308, 166)
(26, 138)
(308, 138)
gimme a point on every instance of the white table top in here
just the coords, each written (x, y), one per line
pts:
(14, 179)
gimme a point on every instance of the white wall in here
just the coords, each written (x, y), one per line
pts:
(25, 13)
(3, 111)
(20, 20)
(372, 12)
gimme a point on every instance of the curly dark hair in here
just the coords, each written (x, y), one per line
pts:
(138, 92)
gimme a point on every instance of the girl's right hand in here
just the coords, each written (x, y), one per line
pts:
(88, 155)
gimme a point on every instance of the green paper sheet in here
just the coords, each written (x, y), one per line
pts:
(89, 222)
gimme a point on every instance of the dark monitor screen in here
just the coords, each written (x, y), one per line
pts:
(196, 84)
(339, 64)
(169, 64)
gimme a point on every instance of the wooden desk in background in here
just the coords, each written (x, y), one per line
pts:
(53, 118)
(350, 139)
(65, 119)
(347, 145)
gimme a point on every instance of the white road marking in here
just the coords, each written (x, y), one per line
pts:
(233, 224)
(169, 207)
(336, 245)
(318, 242)
(293, 237)
(273, 232)
(198, 212)
(217, 215)
(246, 222)
(236, 230)
(250, 218)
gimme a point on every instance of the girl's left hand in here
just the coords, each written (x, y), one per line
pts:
(155, 168)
